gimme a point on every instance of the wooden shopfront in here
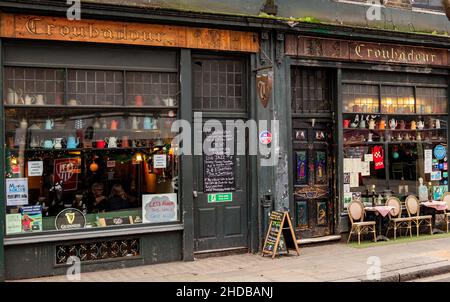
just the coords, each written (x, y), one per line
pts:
(356, 111)
(88, 108)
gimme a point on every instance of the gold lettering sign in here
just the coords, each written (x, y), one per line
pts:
(365, 51)
(61, 29)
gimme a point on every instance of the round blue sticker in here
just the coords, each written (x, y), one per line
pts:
(440, 152)
(265, 137)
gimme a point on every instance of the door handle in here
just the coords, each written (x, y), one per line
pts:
(195, 194)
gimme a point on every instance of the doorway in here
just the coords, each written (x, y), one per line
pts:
(220, 181)
(312, 141)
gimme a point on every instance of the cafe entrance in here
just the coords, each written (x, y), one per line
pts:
(220, 184)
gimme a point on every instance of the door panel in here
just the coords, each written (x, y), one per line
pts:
(219, 223)
(313, 177)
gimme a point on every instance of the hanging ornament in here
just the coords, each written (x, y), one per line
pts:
(378, 157)
(94, 166)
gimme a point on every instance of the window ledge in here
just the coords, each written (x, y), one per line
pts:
(91, 234)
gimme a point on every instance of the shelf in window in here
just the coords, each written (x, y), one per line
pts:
(400, 130)
(392, 114)
(80, 149)
(90, 107)
(394, 142)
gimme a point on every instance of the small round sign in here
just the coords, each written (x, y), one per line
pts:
(440, 152)
(70, 219)
(265, 137)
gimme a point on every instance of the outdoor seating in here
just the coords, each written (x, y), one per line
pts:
(396, 221)
(413, 207)
(356, 213)
(446, 199)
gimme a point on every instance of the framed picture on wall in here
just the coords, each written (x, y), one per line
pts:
(322, 213)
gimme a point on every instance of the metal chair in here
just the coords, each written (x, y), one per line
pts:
(356, 214)
(396, 221)
(413, 207)
(446, 199)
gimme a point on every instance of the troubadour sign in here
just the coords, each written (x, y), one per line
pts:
(364, 51)
(264, 82)
(60, 29)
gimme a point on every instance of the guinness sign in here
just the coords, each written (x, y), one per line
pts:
(70, 219)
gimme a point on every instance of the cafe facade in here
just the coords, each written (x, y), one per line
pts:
(93, 173)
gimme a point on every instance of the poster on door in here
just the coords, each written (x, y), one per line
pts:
(66, 172)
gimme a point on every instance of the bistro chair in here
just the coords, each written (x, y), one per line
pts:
(396, 221)
(356, 213)
(413, 207)
(446, 199)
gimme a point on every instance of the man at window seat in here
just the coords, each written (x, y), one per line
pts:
(118, 199)
(96, 200)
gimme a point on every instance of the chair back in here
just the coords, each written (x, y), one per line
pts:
(356, 211)
(446, 199)
(412, 205)
(396, 212)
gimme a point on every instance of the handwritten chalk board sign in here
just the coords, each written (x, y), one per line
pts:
(280, 233)
(219, 168)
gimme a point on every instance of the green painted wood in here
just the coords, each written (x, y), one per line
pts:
(2, 173)
(187, 171)
(254, 208)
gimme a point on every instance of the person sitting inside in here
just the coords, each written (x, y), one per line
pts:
(97, 201)
(118, 199)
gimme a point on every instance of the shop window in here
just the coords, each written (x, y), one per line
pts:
(97, 163)
(33, 85)
(393, 135)
(219, 85)
(310, 90)
(152, 89)
(428, 4)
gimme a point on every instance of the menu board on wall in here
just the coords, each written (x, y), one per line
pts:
(219, 168)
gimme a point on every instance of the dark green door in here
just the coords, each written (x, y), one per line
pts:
(220, 181)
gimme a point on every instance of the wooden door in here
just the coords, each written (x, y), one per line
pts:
(313, 176)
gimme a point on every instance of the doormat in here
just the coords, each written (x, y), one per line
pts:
(402, 239)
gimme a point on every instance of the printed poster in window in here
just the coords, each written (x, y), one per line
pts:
(159, 208)
(438, 192)
(347, 178)
(31, 219)
(16, 191)
(347, 199)
(66, 171)
(301, 170)
(428, 161)
(321, 167)
(322, 213)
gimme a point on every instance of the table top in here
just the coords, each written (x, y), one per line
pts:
(383, 210)
(436, 204)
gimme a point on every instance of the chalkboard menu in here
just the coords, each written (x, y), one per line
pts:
(280, 234)
(219, 169)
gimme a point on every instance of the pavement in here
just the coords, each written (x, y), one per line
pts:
(331, 262)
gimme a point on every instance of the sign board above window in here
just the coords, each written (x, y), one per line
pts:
(60, 29)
